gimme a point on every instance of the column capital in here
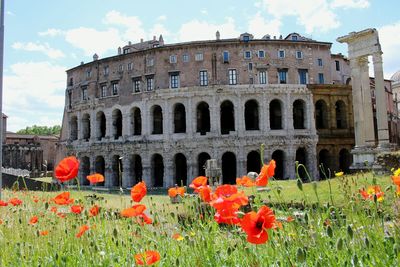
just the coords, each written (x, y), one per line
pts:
(377, 57)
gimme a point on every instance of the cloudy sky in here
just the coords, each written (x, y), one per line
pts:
(44, 38)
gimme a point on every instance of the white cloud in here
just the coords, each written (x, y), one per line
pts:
(204, 11)
(133, 25)
(390, 47)
(10, 13)
(260, 27)
(203, 30)
(350, 4)
(51, 32)
(34, 94)
(37, 47)
(162, 18)
(158, 29)
(93, 41)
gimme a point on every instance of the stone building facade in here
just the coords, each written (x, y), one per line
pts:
(157, 112)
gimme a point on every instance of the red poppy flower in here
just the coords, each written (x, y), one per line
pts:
(67, 169)
(175, 191)
(396, 180)
(197, 182)
(178, 237)
(33, 220)
(245, 181)
(371, 192)
(256, 224)
(225, 190)
(227, 216)
(289, 219)
(94, 211)
(53, 209)
(135, 210)
(143, 219)
(138, 191)
(3, 204)
(82, 230)
(35, 199)
(267, 171)
(77, 209)
(233, 202)
(147, 258)
(95, 178)
(15, 201)
(63, 199)
(205, 193)
(44, 232)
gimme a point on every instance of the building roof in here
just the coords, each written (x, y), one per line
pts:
(30, 136)
(396, 77)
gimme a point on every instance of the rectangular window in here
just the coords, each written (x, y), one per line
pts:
(185, 58)
(88, 74)
(126, 50)
(226, 57)
(337, 65)
(130, 66)
(294, 37)
(321, 78)
(299, 55)
(262, 76)
(250, 66)
(198, 57)
(106, 70)
(84, 93)
(172, 59)
(136, 85)
(150, 62)
(281, 54)
(150, 83)
(261, 54)
(303, 76)
(282, 74)
(247, 54)
(115, 88)
(203, 78)
(251, 80)
(174, 80)
(103, 90)
(319, 61)
(121, 68)
(232, 77)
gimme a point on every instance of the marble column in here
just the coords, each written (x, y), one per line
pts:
(369, 132)
(381, 102)
(127, 180)
(357, 104)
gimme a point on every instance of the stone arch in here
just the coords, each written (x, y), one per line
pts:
(101, 125)
(179, 118)
(157, 115)
(227, 117)
(201, 163)
(275, 114)
(136, 169)
(325, 162)
(116, 169)
(299, 114)
(345, 160)
(180, 169)
(86, 127)
(253, 161)
(117, 123)
(73, 127)
(279, 157)
(228, 168)
(157, 170)
(251, 115)
(99, 167)
(341, 113)
(348, 81)
(321, 115)
(85, 170)
(203, 118)
(301, 157)
(136, 121)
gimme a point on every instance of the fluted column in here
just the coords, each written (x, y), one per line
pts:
(357, 104)
(367, 104)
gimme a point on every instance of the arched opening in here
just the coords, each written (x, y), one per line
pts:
(253, 162)
(179, 118)
(279, 157)
(345, 160)
(348, 81)
(157, 170)
(251, 115)
(227, 116)
(100, 168)
(298, 114)
(136, 121)
(321, 115)
(324, 163)
(180, 169)
(136, 169)
(116, 166)
(85, 170)
(203, 118)
(341, 122)
(275, 115)
(73, 126)
(117, 123)
(101, 125)
(301, 157)
(86, 127)
(157, 120)
(201, 163)
(229, 168)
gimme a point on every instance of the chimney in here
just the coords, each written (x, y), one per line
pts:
(95, 57)
(119, 51)
(154, 38)
(217, 35)
(141, 40)
(161, 40)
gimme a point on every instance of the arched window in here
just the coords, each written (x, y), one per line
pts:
(253, 162)
(203, 118)
(157, 170)
(179, 118)
(201, 163)
(321, 115)
(301, 157)
(298, 114)
(180, 169)
(157, 120)
(100, 167)
(229, 168)
(136, 121)
(324, 164)
(275, 115)
(341, 121)
(279, 157)
(116, 176)
(73, 127)
(251, 115)
(86, 127)
(136, 169)
(345, 160)
(227, 115)
(117, 123)
(101, 125)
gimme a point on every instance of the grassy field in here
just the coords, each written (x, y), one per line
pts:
(332, 226)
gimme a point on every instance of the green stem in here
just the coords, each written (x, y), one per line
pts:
(77, 183)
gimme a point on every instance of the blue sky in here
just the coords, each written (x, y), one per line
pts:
(43, 38)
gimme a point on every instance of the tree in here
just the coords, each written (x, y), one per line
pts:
(41, 130)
